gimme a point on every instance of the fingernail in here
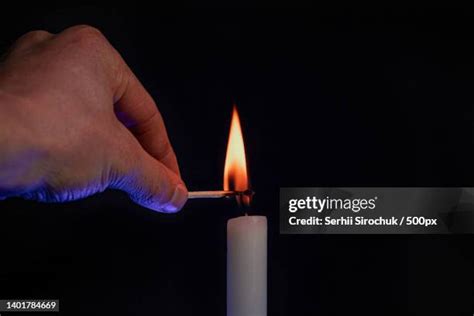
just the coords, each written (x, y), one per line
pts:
(178, 200)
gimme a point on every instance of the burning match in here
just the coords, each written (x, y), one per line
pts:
(219, 194)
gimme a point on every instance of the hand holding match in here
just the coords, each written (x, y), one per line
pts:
(75, 121)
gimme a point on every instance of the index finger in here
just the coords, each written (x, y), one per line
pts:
(137, 110)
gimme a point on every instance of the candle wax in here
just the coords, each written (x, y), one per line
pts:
(247, 266)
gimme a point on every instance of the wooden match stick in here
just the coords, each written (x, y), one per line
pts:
(216, 194)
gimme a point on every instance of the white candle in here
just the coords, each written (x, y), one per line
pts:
(247, 266)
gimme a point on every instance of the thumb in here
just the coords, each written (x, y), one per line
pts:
(149, 182)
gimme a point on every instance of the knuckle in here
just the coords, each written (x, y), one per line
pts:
(30, 39)
(86, 30)
(35, 35)
(86, 35)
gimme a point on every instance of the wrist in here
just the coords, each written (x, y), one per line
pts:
(20, 156)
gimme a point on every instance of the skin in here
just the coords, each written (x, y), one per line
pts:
(74, 121)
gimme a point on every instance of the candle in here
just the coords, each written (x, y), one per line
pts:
(247, 266)
(246, 237)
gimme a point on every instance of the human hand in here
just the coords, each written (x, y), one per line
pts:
(74, 121)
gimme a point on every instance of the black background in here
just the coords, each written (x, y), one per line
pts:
(327, 98)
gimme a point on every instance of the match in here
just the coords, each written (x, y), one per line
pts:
(218, 194)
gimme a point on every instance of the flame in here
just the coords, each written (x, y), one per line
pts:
(235, 170)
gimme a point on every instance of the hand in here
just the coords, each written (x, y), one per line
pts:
(74, 121)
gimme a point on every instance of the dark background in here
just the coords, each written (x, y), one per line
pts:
(327, 98)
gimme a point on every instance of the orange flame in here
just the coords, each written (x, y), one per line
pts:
(235, 170)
